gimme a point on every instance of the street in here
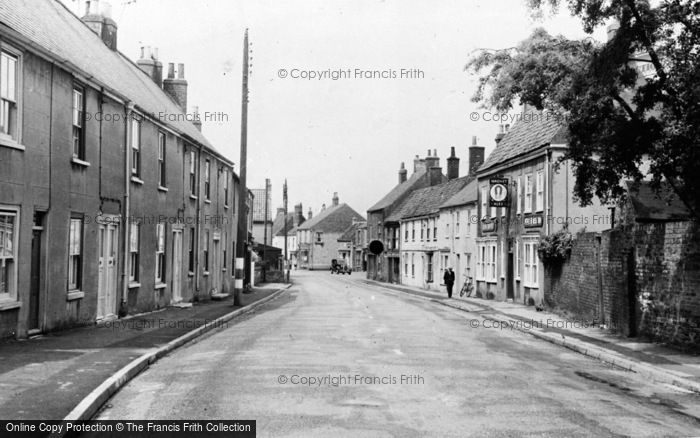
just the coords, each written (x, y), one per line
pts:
(336, 357)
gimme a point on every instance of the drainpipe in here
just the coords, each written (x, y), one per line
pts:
(198, 240)
(127, 205)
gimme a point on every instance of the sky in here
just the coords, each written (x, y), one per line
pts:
(347, 135)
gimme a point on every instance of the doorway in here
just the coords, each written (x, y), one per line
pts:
(107, 278)
(176, 288)
(34, 322)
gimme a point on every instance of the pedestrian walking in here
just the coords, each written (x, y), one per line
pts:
(449, 279)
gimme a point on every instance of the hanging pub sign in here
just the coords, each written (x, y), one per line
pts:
(534, 221)
(498, 194)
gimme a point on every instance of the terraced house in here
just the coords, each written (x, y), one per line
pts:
(106, 208)
(539, 202)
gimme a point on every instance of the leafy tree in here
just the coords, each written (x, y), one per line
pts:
(618, 114)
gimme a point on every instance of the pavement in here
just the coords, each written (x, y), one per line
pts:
(46, 377)
(334, 356)
(652, 360)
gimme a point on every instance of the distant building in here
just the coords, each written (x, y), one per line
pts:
(385, 267)
(280, 227)
(353, 246)
(318, 236)
(424, 255)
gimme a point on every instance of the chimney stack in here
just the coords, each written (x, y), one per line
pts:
(419, 164)
(280, 211)
(298, 215)
(196, 121)
(323, 206)
(432, 160)
(98, 18)
(335, 199)
(310, 215)
(452, 165)
(149, 64)
(402, 173)
(435, 175)
(176, 88)
(476, 157)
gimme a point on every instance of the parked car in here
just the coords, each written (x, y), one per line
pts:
(340, 267)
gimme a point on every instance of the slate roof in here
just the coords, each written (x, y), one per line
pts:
(467, 195)
(428, 200)
(278, 225)
(259, 206)
(648, 205)
(398, 190)
(348, 234)
(52, 27)
(334, 219)
(526, 136)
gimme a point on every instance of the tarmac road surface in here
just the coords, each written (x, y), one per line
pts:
(334, 357)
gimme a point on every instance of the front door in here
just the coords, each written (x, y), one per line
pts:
(107, 278)
(35, 283)
(177, 266)
(510, 293)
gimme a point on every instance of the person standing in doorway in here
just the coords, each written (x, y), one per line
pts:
(449, 279)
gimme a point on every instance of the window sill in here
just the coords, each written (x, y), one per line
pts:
(531, 286)
(78, 162)
(134, 284)
(160, 286)
(226, 207)
(207, 201)
(224, 269)
(162, 189)
(492, 281)
(193, 197)
(205, 273)
(190, 274)
(136, 180)
(10, 304)
(10, 143)
(75, 295)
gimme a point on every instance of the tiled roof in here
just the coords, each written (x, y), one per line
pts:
(648, 205)
(428, 200)
(465, 196)
(526, 136)
(334, 219)
(397, 191)
(51, 26)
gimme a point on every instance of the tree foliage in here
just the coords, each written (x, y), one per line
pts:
(624, 122)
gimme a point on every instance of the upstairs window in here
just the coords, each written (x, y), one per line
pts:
(193, 173)
(205, 258)
(162, 182)
(518, 196)
(190, 251)
(8, 95)
(528, 193)
(207, 179)
(78, 123)
(226, 188)
(135, 148)
(539, 199)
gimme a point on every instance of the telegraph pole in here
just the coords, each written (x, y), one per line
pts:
(242, 240)
(265, 223)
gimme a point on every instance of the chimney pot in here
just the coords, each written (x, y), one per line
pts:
(476, 157)
(181, 71)
(335, 199)
(171, 70)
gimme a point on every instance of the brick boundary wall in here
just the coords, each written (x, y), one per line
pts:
(638, 280)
